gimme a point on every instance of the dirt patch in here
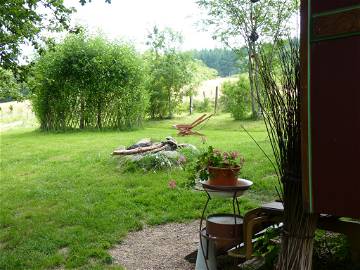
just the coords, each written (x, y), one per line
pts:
(64, 251)
(159, 247)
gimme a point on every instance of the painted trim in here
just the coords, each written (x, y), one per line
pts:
(309, 109)
(335, 11)
(335, 37)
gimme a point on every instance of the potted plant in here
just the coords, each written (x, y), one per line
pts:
(219, 168)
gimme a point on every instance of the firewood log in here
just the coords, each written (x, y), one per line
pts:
(139, 150)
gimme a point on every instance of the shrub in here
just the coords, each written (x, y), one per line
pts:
(204, 106)
(168, 75)
(88, 82)
(153, 162)
(9, 87)
(332, 251)
(236, 98)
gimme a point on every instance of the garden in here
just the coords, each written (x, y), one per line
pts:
(65, 191)
(113, 157)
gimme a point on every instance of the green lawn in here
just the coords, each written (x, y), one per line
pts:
(64, 201)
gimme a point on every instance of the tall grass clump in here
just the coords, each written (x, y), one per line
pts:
(280, 105)
(88, 82)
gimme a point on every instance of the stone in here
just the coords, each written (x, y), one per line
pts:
(189, 146)
(142, 143)
(171, 154)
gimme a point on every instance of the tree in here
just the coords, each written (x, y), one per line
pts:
(236, 98)
(225, 61)
(9, 87)
(88, 82)
(237, 21)
(169, 71)
(23, 20)
(200, 72)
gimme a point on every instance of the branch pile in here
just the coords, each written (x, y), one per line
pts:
(146, 155)
(145, 146)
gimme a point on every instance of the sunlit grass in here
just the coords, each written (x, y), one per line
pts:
(64, 202)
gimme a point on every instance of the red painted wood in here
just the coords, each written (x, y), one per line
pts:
(327, 5)
(304, 103)
(337, 24)
(335, 129)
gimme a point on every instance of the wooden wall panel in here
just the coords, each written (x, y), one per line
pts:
(318, 6)
(330, 106)
(307, 198)
(337, 24)
(335, 130)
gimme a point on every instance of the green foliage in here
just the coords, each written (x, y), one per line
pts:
(225, 61)
(171, 73)
(215, 158)
(236, 98)
(203, 106)
(235, 22)
(10, 89)
(332, 251)
(157, 161)
(83, 2)
(88, 82)
(168, 72)
(23, 20)
(267, 247)
(243, 18)
(199, 73)
(149, 163)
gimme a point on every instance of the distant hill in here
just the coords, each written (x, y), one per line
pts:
(225, 61)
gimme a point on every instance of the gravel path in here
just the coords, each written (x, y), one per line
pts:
(160, 247)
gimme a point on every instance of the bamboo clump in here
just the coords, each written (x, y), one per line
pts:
(279, 101)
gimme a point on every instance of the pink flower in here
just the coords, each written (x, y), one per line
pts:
(172, 184)
(234, 155)
(181, 160)
(226, 155)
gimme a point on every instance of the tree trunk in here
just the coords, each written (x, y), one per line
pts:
(169, 104)
(216, 99)
(251, 80)
(191, 105)
(98, 122)
(82, 118)
(256, 79)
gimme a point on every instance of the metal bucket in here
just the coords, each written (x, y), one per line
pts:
(226, 230)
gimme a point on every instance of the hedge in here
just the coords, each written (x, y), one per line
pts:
(89, 82)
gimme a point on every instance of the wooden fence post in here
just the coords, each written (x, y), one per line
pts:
(216, 98)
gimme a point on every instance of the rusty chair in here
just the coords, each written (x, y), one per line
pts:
(257, 220)
(186, 129)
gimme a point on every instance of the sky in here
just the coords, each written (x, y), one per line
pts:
(133, 19)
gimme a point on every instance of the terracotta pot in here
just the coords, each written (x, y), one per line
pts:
(223, 176)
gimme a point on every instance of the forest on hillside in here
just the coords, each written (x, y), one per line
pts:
(225, 61)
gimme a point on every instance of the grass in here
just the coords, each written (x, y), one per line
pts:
(64, 202)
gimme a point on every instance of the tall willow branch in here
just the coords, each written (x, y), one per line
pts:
(279, 101)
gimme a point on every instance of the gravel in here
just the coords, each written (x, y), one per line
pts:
(158, 247)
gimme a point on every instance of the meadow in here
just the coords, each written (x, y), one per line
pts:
(65, 202)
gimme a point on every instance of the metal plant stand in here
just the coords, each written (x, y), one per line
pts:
(222, 231)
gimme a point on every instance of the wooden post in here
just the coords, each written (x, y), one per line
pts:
(216, 98)
(191, 105)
